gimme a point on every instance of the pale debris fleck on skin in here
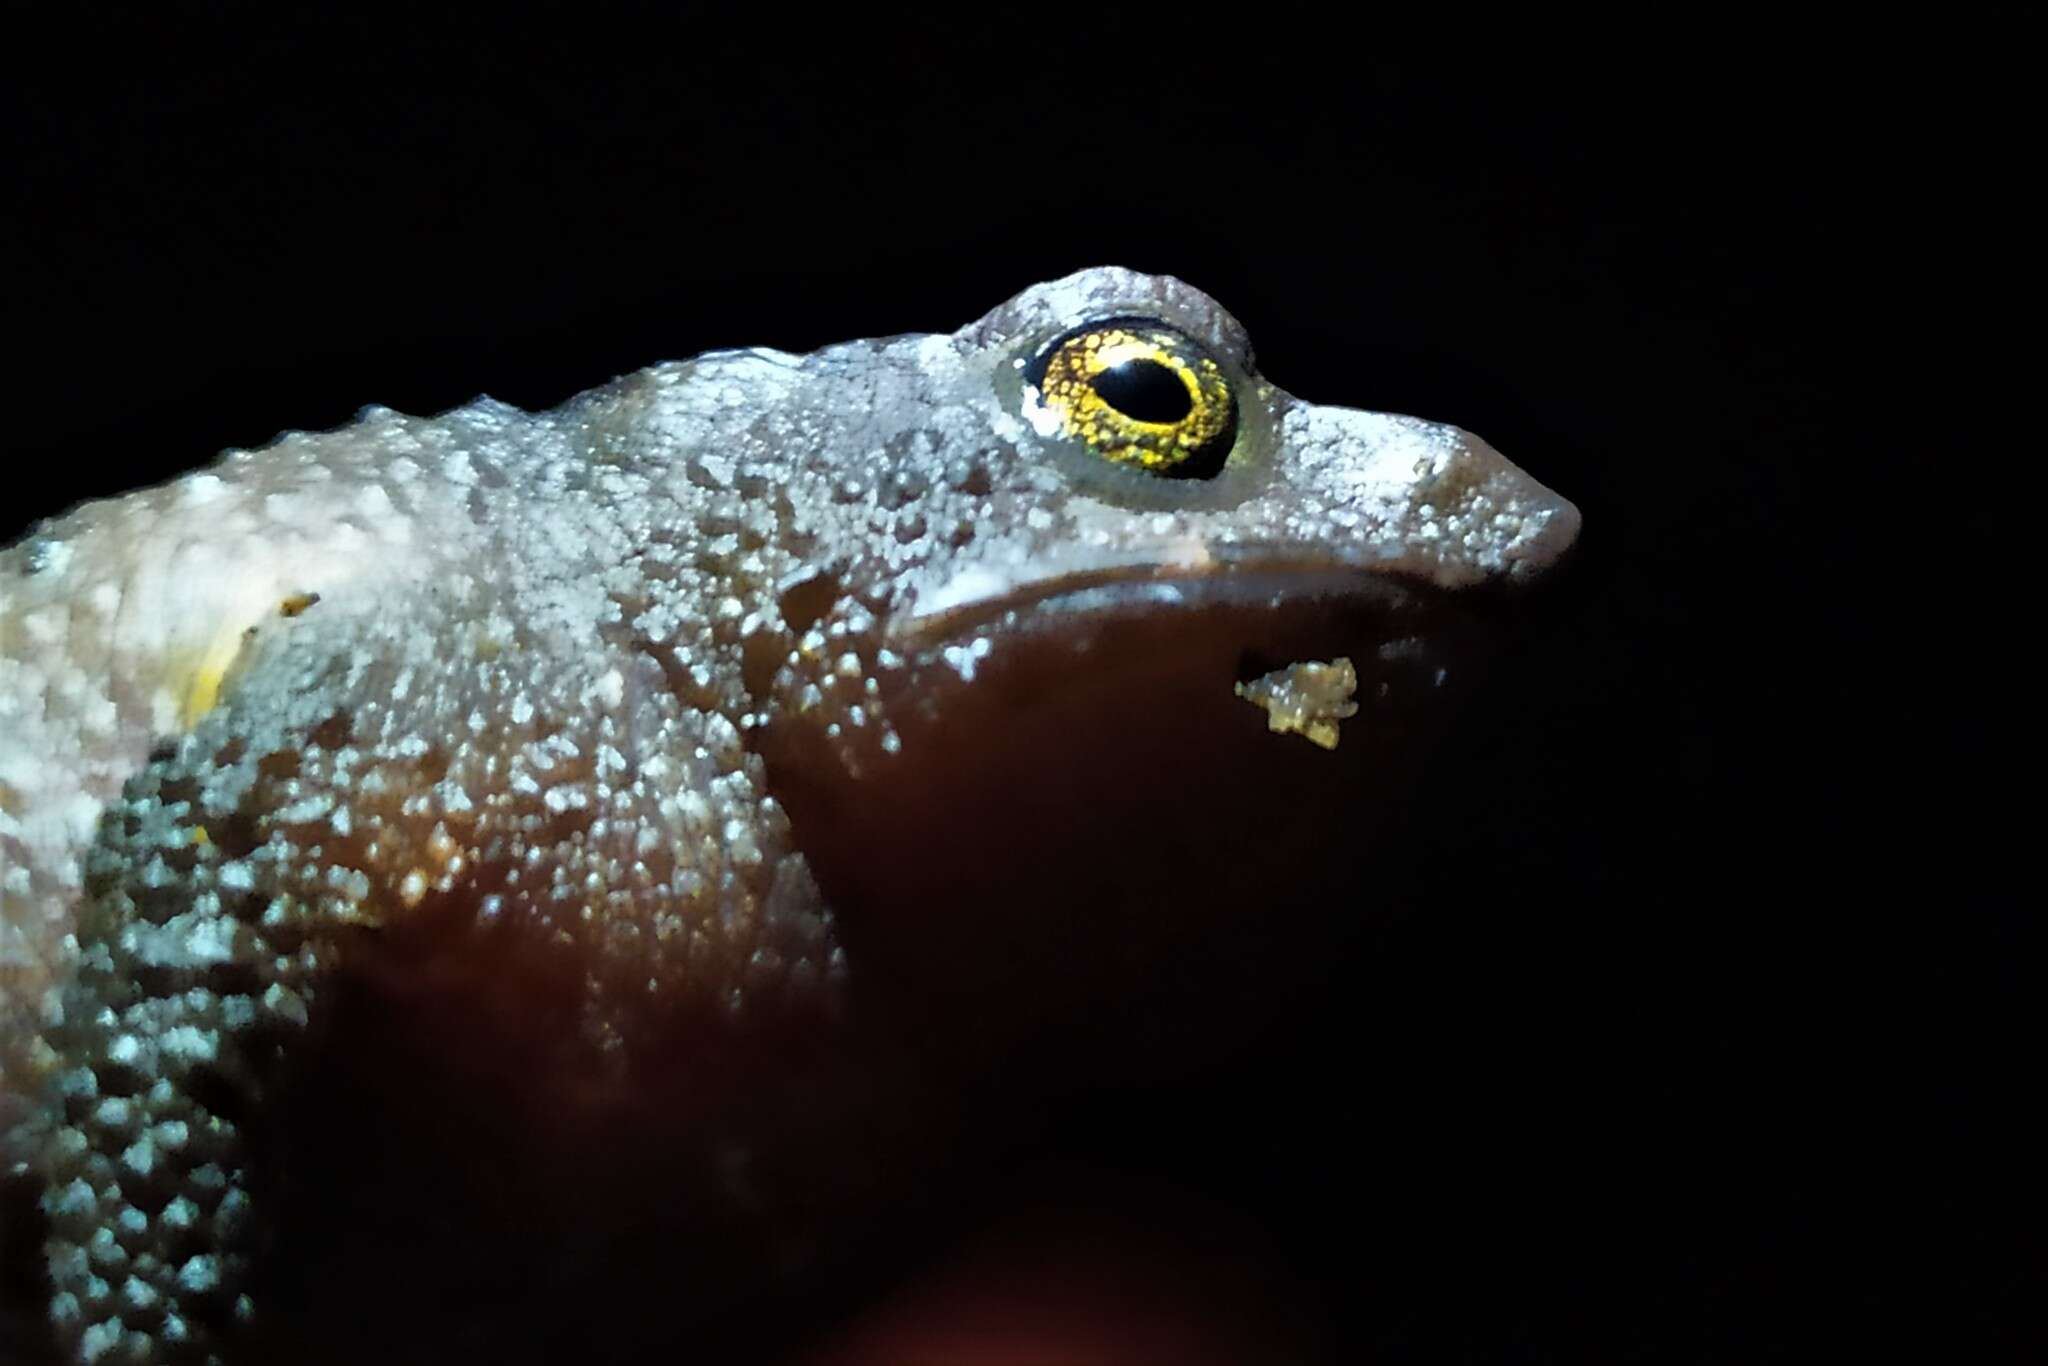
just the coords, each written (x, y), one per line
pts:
(510, 662)
(1308, 699)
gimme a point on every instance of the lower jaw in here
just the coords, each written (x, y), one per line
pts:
(1093, 853)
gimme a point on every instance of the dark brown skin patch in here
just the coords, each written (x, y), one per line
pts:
(1094, 851)
(450, 1116)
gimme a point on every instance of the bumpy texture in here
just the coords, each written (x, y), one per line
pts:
(505, 668)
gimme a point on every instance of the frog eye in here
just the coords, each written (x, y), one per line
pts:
(1139, 394)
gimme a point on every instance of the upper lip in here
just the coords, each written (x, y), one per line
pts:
(1244, 577)
(1241, 572)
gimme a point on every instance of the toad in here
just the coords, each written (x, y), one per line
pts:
(618, 830)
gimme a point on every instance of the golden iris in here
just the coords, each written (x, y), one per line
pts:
(1140, 394)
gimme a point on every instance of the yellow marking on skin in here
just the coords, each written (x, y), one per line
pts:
(202, 685)
(197, 677)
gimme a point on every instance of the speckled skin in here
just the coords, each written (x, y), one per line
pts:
(525, 703)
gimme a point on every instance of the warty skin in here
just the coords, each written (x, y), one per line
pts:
(642, 782)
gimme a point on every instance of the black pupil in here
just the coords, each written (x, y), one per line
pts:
(1145, 390)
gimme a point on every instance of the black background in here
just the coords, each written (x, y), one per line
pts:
(1711, 1043)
